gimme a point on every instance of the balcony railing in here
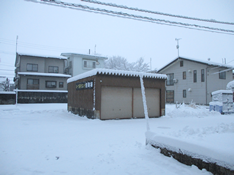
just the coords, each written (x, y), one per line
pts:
(33, 86)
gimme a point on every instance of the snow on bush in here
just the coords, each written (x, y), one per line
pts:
(191, 110)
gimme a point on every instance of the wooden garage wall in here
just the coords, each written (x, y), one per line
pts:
(80, 101)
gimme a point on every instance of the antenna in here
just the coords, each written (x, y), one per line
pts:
(16, 43)
(177, 46)
(95, 50)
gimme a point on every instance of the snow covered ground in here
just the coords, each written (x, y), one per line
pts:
(46, 139)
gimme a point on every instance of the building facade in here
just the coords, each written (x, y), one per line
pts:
(79, 63)
(191, 80)
(37, 73)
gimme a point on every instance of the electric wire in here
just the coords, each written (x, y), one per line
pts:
(158, 13)
(135, 17)
(31, 45)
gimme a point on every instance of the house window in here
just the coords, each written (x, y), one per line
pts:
(170, 78)
(85, 63)
(222, 75)
(94, 64)
(32, 83)
(194, 76)
(60, 84)
(53, 69)
(169, 96)
(184, 75)
(32, 67)
(88, 64)
(184, 93)
(51, 84)
(202, 75)
(181, 63)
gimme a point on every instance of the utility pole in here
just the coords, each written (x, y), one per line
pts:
(177, 46)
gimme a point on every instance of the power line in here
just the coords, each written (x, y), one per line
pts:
(134, 17)
(30, 45)
(6, 70)
(158, 13)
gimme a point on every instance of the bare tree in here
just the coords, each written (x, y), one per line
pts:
(121, 63)
(5, 85)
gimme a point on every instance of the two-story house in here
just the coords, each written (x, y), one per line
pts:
(80, 63)
(192, 80)
(37, 75)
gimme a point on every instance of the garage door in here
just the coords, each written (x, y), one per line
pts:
(116, 102)
(152, 98)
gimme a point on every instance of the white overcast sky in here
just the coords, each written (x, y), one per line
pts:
(48, 30)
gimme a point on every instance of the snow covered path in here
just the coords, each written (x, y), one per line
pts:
(46, 139)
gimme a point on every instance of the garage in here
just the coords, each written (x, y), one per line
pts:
(116, 102)
(114, 94)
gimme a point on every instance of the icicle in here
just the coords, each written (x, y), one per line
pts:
(144, 103)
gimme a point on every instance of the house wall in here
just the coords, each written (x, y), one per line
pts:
(77, 64)
(198, 89)
(43, 63)
(42, 82)
(54, 62)
(34, 60)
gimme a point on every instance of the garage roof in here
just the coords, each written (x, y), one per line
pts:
(117, 73)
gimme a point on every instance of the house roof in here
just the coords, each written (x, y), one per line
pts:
(94, 57)
(40, 55)
(210, 63)
(44, 74)
(117, 73)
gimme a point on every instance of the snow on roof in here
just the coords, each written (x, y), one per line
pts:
(84, 55)
(39, 55)
(230, 85)
(115, 72)
(7, 92)
(44, 74)
(61, 91)
(222, 92)
(210, 63)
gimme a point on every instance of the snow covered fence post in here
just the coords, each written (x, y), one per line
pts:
(144, 103)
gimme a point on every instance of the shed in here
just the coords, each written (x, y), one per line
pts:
(116, 94)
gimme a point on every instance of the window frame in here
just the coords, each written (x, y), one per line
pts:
(85, 63)
(184, 93)
(89, 64)
(184, 75)
(53, 69)
(32, 69)
(222, 75)
(49, 81)
(181, 63)
(33, 85)
(202, 75)
(194, 76)
(170, 96)
(60, 84)
(170, 82)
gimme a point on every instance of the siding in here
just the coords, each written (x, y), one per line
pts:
(42, 80)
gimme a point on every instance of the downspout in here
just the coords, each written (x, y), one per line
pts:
(206, 83)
